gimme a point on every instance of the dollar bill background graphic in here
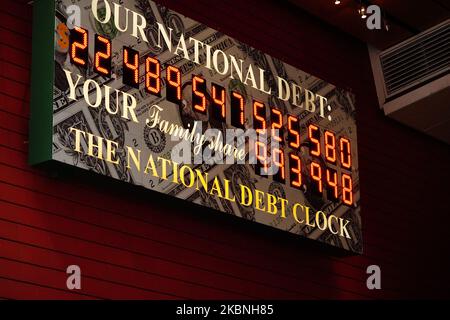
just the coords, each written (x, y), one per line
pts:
(68, 113)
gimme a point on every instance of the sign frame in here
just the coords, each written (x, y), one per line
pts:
(42, 139)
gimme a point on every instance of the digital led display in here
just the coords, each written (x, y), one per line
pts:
(123, 100)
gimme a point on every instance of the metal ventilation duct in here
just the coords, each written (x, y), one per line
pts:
(413, 81)
(416, 61)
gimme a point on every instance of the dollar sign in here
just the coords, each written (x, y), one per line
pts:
(63, 33)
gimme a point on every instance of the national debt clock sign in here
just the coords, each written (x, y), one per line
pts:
(132, 90)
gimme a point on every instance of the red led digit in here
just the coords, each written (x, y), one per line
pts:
(295, 168)
(314, 135)
(259, 117)
(153, 76)
(237, 110)
(330, 146)
(332, 182)
(79, 46)
(173, 88)
(346, 153)
(218, 107)
(347, 189)
(278, 160)
(102, 61)
(293, 132)
(131, 67)
(198, 94)
(261, 156)
(316, 175)
(276, 123)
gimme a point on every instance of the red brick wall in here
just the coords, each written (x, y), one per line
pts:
(132, 243)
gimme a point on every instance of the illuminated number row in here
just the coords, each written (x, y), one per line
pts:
(217, 102)
(79, 51)
(152, 81)
(200, 98)
(276, 123)
(79, 55)
(330, 146)
(328, 180)
(321, 178)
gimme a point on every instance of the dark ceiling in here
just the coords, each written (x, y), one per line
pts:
(406, 18)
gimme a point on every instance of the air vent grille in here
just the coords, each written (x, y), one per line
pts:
(417, 60)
